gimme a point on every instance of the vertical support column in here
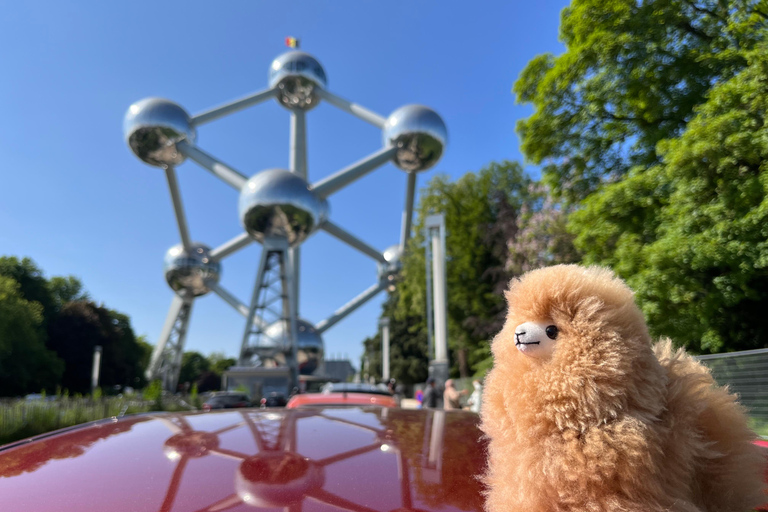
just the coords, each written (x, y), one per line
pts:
(428, 270)
(273, 302)
(405, 232)
(435, 226)
(96, 368)
(384, 323)
(245, 346)
(298, 143)
(165, 363)
(298, 165)
(291, 298)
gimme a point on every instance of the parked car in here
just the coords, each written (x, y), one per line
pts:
(226, 400)
(356, 459)
(345, 393)
(273, 400)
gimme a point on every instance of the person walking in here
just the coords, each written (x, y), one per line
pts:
(451, 396)
(430, 394)
(476, 398)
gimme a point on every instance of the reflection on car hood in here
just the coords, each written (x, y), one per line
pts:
(301, 460)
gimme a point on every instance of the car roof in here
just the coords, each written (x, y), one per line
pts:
(331, 399)
(355, 387)
(349, 458)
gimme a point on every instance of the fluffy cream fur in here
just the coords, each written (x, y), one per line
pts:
(609, 422)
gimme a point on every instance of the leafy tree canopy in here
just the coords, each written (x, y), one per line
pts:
(219, 362)
(691, 233)
(193, 365)
(78, 329)
(25, 364)
(32, 283)
(631, 75)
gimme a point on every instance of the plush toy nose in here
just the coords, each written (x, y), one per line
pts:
(528, 336)
(529, 332)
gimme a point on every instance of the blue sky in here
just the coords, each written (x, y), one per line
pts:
(75, 199)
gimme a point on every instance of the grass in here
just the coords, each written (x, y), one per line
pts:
(760, 426)
(20, 419)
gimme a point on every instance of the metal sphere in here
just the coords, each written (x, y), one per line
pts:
(389, 270)
(153, 126)
(310, 343)
(279, 204)
(419, 134)
(189, 273)
(297, 75)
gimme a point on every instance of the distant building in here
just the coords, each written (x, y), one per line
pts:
(340, 369)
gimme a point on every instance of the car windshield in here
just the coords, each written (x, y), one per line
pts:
(348, 387)
(224, 399)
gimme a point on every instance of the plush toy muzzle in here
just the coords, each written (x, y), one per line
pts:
(536, 339)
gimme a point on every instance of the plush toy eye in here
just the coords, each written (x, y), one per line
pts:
(551, 331)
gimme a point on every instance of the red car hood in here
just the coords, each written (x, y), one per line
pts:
(300, 460)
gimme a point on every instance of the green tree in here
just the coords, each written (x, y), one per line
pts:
(219, 362)
(66, 289)
(697, 256)
(82, 325)
(631, 75)
(407, 345)
(32, 283)
(146, 353)
(25, 364)
(472, 206)
(370, 362)
(193, 365)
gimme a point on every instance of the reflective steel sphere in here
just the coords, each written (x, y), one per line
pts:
(278, 203)
(392, 254)
(419, 134)
(187, 273)
(310, 344)
(153, 126)
(296, 76)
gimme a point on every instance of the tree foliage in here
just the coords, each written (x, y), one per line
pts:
(219, 362)
(25, 363)
(698, 254)
(408, 345)
(631, 75)
(32, 283)
(193, 365)
(78, 329)
(68, 326)
(499, 223)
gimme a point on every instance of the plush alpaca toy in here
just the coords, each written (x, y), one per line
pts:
(583, 414)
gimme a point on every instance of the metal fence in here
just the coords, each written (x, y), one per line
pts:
(746, 374)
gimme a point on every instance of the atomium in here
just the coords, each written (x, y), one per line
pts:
(189, 273)
(296, 76)
(277, 208)
(419, 134)
(279, 204)
(153, 126)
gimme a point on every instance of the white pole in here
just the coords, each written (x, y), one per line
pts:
(437, 241)
(96, 368)
(384, 349)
